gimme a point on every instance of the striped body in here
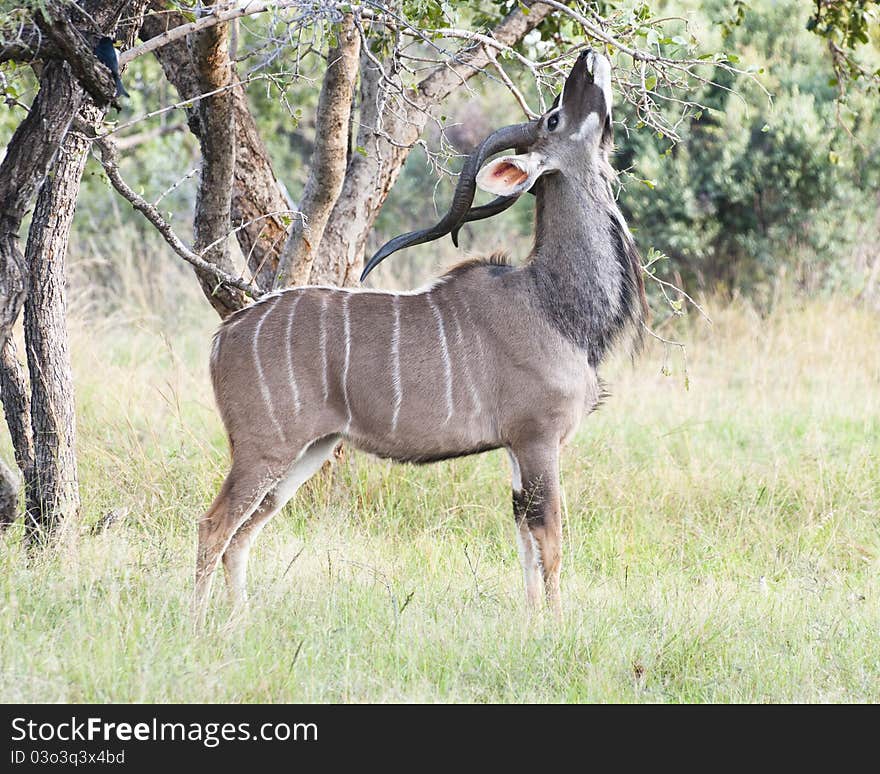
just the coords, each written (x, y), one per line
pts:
(411, 376)
(490, 356)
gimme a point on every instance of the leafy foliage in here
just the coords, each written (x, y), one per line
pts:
(848, 26)
(757, 187)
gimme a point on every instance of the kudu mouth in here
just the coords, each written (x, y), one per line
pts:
(514, 136)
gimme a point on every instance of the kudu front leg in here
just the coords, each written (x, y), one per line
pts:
(538, 516)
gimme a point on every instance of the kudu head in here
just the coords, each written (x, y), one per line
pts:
(567, 137)
(566, 140)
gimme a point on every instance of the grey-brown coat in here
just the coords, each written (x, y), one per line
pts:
(488, 356)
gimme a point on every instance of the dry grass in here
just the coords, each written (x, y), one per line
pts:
(722, 543)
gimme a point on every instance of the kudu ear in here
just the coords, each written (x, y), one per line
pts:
(511, 175)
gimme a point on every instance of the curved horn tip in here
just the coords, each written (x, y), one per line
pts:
(372, 264)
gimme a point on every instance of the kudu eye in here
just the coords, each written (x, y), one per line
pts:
(553, 122)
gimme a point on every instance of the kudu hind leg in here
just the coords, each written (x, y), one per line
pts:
(241, 494)
(235, 557)
(539, 520)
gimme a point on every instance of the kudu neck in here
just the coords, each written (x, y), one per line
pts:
(570, 216)
(582, 262)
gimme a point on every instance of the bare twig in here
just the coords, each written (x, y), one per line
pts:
(110, 162)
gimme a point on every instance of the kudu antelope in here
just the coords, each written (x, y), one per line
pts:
(488, 356)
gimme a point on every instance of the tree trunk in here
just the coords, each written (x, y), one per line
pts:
(213, 221)
(371, 175)
(8, 496)
(51, 493)
(255, 189)
(16, 406)
(46, 453)
(29, 156)
(368, 181)
(328, 162)
(255, 193)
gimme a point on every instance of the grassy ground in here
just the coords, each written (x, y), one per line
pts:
(722, 543)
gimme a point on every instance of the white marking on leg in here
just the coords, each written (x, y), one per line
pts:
(261, 377)
(346, 325)
(395, 365)
(528, 560)
(322, 343)
(462, 348)
(290, 374)
(536, 547)
(515, 474)
(306, 465)
(444, 350)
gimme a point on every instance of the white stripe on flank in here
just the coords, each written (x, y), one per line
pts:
(395, 364)
(289, 338)
(347, 329)
(444, 348)
(322, 343)
(264, 388)
(462, 348)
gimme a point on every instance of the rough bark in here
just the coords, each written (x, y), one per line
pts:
(46, 453)
(8, 496)
(51, 493)
(213, 221)
(328, 162)
(33, 147)
(256, 192)
(29, 155)
(255, 189)
(15, 393)
(371, 175)
(16, 407)
(76, 49)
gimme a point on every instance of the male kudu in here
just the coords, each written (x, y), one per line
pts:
(488, 356)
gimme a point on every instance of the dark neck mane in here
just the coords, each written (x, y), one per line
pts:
(585, 263)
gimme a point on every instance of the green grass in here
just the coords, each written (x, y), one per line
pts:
(721, 543)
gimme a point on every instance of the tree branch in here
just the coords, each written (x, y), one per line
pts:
(94, 76)
(110, 162)
(388, 133)
(28, 45)
(251, 8)
(327, 167)
(255, 189)
(438, 85)
(128, 141)
(209, 49)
